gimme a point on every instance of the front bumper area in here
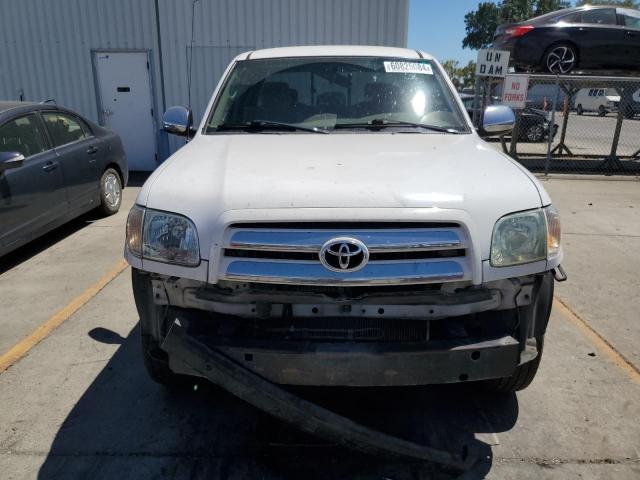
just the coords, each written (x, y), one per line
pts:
(343, 337)
(367, 365)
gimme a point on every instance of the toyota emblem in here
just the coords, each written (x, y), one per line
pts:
(344, 254)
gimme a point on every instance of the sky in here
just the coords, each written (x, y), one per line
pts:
(437, 27)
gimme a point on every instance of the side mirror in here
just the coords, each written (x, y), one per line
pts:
(177, 120)
(9, 160)
(497, 120)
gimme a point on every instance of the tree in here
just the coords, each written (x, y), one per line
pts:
(467, 75)
(462, 77)
(451, 67)
(481, 24)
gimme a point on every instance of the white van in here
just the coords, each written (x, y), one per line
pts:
(601, 100)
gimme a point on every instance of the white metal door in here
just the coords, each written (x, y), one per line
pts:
(127, 108)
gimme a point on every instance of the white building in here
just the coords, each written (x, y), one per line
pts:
(121, 63)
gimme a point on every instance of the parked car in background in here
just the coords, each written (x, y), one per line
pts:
(54, 166)
(588, 37)
(600, 100)
(533, 125)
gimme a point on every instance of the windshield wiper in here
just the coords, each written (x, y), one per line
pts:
(268, 125)
(379, 124)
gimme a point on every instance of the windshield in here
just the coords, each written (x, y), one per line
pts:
(336, 93)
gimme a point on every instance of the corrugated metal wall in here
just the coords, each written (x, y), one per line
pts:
(45, 45)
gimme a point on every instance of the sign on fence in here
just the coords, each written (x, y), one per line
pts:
(514, 91)
(494, 63)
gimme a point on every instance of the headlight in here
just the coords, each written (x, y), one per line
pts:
(162, 237)
(519, 238)
(525, 237)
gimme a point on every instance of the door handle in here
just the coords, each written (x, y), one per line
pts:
(631, 34)
(50, 166)
(92, 150)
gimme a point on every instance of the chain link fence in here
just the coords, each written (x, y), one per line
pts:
(575, 124)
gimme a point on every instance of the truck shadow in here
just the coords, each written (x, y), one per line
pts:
(126, 426)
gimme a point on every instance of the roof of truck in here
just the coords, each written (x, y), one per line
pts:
(337, 51)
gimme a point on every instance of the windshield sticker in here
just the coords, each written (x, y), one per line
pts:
(408, 67)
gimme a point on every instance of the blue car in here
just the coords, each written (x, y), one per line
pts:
(54, 166)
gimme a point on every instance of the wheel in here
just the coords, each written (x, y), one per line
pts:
(602, 111)
(110, 192)
(152, 328)
(156, 363)
(522, 377)
(535, 133)
(561, 59)
(579, 109)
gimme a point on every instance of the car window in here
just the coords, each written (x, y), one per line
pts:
(632, 19)
(570, 18)
(22, 135)
(600, 16)
(335, 91)
(63, 128)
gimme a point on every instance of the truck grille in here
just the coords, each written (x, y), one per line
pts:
(407, 253)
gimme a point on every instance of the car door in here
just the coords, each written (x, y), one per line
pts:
(33, 195)
(600, 39)
(631, 22)
(78, 151)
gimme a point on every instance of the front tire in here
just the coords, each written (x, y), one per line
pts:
(579, 109)
(602, 111)
(560, 59)
(152, 329)
(522, 377)
(156, 363)
(110, 192)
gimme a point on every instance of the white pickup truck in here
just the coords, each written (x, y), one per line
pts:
(336, 220)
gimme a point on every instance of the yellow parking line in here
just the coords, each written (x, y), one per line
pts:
(598, 340)
(16, 352)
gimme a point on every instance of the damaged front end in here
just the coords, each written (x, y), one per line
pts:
(355, 335)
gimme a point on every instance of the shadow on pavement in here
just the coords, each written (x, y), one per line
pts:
(126, 426)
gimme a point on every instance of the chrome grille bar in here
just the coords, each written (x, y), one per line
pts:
(376, 240)
(372, 274)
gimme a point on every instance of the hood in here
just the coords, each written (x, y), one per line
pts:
(214, 174)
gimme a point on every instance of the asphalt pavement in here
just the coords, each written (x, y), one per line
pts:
(590, 134)
(78, 403)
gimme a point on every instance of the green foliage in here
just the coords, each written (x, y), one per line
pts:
(451, 67)
(461, 77)
(481, 24)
